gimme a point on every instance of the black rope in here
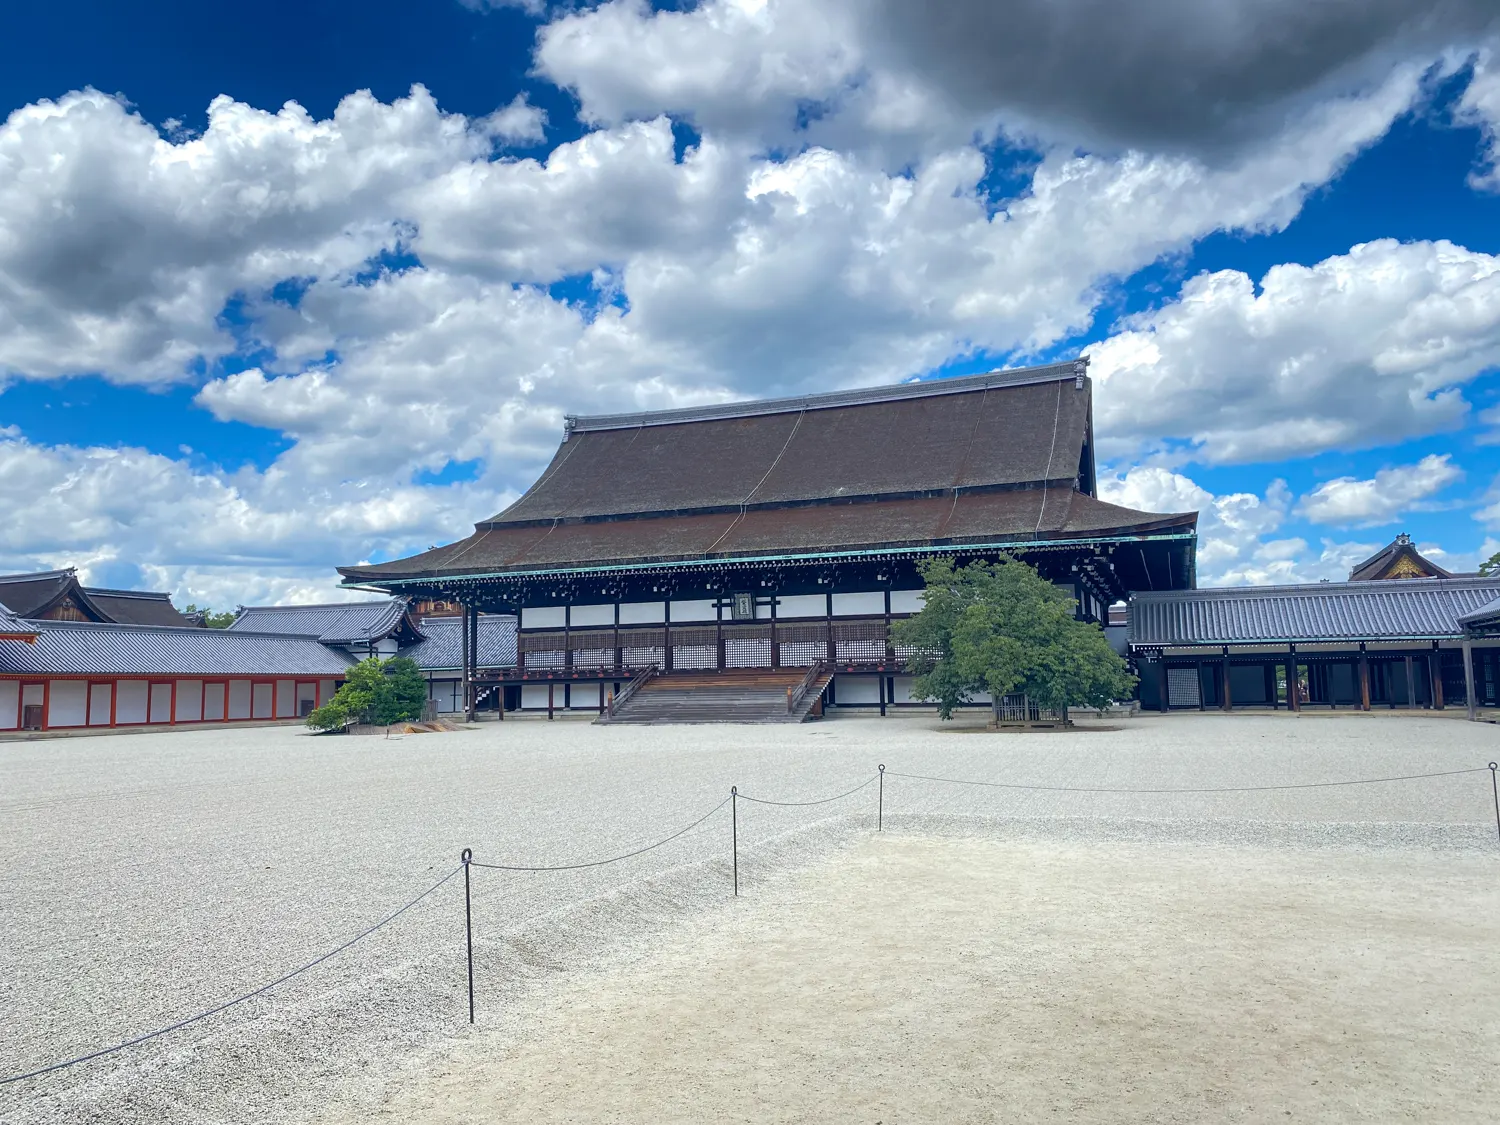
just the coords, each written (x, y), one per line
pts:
(1228, 789)
(602, 862)
(803, 804)
(238, 999)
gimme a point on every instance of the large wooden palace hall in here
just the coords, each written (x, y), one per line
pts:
(784, 535)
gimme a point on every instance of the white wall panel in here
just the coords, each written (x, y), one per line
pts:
(130, 707)
(161, 703)
(702, 610)
(262, 701)
(213, 701)
(189, 701)
(850, 690)
(642, 613)
(326, 689)
(535, 696)
(901, 689)
(99, 700)
(286, 699)
(580, 615)
(10, 704)
(584, 697)
(239, 699)
(67, 703)
(445, 694)
(803, 605)
(871, 604)
(544, 617)
(907, 601)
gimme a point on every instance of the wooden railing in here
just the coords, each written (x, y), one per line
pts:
(796, 696)
(635, 685)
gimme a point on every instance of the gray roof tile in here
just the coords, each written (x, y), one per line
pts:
(1414, 609)
(334, 624)
(442, 650)
(94, 648)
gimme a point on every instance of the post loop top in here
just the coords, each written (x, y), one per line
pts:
(881, 768)
(733, 789)
(468, 854)
(1494, 766)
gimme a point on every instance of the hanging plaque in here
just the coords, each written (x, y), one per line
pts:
(744, 607)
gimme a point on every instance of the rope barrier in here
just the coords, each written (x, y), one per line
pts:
(602, 862)
(238, 999)
(1225, 789)
(804, 804)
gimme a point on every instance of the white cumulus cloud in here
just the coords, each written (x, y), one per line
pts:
(1350, 502)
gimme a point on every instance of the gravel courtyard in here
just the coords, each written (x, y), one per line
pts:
(147, 877)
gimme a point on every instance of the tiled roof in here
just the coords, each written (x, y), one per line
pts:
(335, 624)
(137, 607)
(1008, 428)
(442, 650)
(28, 594)
(13, 627)
(1378, 563)
(1396, 609)
(978, 517)
(86, 647)
(1487, 614)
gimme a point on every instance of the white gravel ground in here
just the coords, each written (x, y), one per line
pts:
(143, 878)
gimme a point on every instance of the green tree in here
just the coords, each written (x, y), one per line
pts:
(211, 620)
(375, 691)
(1002, 628)
(1491, 566)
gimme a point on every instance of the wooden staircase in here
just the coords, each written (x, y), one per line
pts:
(749, 696)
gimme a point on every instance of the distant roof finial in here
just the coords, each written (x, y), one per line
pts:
(1404, 539)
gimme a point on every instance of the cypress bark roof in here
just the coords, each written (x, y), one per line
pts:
(1397, 559)
(137, 607)
(995, 458)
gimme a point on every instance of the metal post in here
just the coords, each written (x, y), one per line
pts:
(734, 827)
(880, 808)
(1495, 792)
(466, 856)
(1469, 680)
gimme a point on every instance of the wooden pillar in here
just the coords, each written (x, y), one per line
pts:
(1435, 672)
(1364, 678)
(47, 703)
(890, 649)
(463, 654)
(1161, 683)
(666, 635)
(551, 689)
(881, 681)
(1293, 692)
(1268, 675)
(1411, 685)
(114, 695)
(1202, 703)
(619, 652)
(1469, 680)
(719, 635)
(1226, 703)
(775, 648)
(828, 626)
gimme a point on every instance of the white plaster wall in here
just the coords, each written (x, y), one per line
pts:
(213, 701)
(239, 699)
(262, 703)
(544, 617)
(189, 701)
(850, 690)
(901, 689)
(870, 604)
(130, 707)
(286, 699)
(99, 698)
(584, 697)
(803, 605)
(694, 611)
(534, 696)
(642, 613)
(10, 704)
(161, 703)
(67, 703)
(907, 601)
(591, 615)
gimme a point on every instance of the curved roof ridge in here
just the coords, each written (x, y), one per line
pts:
(827, 400)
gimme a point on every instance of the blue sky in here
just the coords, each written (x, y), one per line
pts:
(240, 345)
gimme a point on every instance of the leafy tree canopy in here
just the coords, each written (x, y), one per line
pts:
(1002, 628)
(211, 619)
(1490, 566)
(375, 691)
